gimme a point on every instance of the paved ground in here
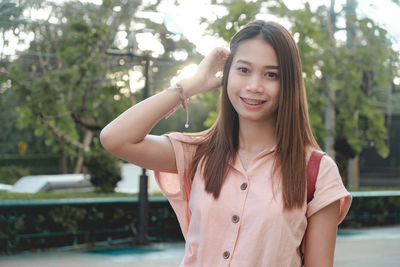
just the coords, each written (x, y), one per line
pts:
(374, 247)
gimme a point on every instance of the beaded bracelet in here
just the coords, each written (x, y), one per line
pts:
(183, 101)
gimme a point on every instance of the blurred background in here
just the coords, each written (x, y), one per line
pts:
(67, 68)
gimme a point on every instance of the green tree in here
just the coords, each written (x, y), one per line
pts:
(350, 76)
(62, 76)
(11, 23)
(71, 88)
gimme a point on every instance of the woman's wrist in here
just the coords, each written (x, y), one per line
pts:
(188, 87)
(183, 100)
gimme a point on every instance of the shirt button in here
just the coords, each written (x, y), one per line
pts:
(226, 255)
(243, 186)
(235, 219)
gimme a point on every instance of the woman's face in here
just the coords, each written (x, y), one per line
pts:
(253, 81)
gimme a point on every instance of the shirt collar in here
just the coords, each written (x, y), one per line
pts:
(237, 165)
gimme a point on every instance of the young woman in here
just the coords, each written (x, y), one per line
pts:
(239, 188)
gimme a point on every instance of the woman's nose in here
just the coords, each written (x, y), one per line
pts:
(255, 84)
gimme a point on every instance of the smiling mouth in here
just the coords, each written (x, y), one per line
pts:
(252, 101)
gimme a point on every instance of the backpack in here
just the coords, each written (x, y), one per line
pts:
(312, 172)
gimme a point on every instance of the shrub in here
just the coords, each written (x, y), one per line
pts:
(11, 174)
(104, 168)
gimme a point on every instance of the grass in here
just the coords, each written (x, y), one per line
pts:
(58, 195)
(363, 189)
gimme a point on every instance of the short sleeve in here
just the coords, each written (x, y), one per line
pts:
(328, 189)
(173, 185)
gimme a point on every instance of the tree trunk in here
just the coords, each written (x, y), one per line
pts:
(353, 172)
(63, 164)
(352, 164)
(330, 117)
(330, 112)
(350, 25)
(86, 143)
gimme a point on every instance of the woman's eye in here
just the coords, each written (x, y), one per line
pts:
(271, 75)
(243, 70)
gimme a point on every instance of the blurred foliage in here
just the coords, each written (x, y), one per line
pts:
(11, 15)
(62, 76)
(65, 87)
(238, 14)
(82, 223)
(360, 74)
(355, 74)
(68, 217)
(104, 168)
(64, 225)
(13, 21)
(373, 211)
(11, 174)
(61, 195)
(10, 134)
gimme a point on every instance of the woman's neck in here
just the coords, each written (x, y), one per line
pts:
(255, 137)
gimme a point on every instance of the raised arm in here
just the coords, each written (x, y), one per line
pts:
(127, 136)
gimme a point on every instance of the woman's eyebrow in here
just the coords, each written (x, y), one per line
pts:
(242, 61)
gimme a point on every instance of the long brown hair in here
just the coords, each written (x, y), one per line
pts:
(219, 144)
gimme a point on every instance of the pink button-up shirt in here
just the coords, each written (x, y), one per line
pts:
(246, 225)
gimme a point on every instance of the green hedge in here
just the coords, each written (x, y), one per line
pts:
(38, 224)
(373, 209)
(104, 168)
(11, 174)
(42, 224)
(36, 164)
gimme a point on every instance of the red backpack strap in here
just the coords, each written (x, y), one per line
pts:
(312, 172)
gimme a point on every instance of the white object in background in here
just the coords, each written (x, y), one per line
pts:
(51, 182)
(5, 187)
(131, 178)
